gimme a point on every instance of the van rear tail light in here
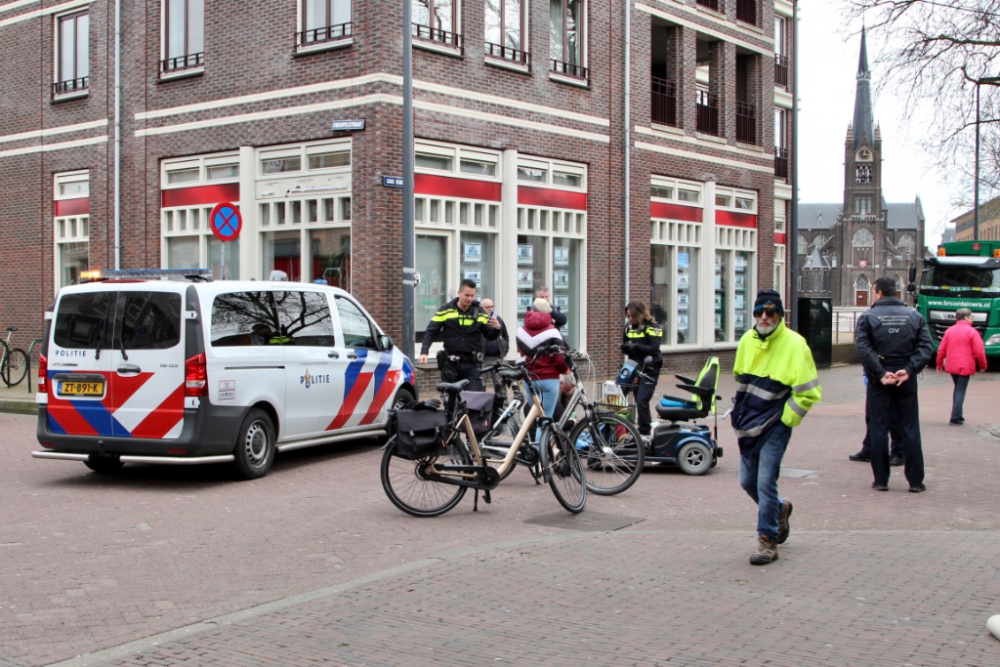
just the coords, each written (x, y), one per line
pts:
(196, 376)
(43, 374)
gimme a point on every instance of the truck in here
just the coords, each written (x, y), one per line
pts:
(964, 274)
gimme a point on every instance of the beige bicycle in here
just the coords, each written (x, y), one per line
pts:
(430, 483)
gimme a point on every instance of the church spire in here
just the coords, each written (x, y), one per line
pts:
(864, 122)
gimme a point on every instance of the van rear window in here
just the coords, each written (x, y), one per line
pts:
(85, 321)
(149, 320)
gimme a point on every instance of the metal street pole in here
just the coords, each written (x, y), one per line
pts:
(792, 240)
(409, 239)
(975, 196)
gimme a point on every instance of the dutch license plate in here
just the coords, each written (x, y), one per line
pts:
(81, 388)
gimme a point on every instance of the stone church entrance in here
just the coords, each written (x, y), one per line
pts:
(861, 298)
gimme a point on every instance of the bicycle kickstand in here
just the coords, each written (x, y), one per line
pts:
(486, 499)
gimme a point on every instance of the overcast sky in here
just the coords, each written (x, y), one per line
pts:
(826, 90)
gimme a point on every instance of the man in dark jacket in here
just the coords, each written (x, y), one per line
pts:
(463, 325)
(496, 349)
(559, 318)
(894, 344)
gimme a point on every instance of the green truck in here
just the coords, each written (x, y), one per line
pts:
(965, 274)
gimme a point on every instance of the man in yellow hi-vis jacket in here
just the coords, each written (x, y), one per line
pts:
(777, 384)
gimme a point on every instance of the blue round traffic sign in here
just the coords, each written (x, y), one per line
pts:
(226, 222)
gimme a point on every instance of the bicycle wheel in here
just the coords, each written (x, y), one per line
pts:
(14, 367)
(417, 493)
(566, 474)
(613, 450)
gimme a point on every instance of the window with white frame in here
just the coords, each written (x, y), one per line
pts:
(779, 269)
(551, 244)
(505, 30)
(567, 36)
(72, 54)
(71, 227)
(675, 261)
(735, 267)
(324, 21)
(187, 241)
(457, 236)
(183, 35)
(304, 211)
(437, 21)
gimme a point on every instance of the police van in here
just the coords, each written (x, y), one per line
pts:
(139, 369)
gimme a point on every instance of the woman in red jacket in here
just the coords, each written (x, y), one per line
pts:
(536, 334)
(961, 352)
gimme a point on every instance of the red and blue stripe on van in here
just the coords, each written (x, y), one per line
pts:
(370, 368)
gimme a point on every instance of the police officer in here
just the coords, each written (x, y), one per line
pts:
(894, 344)
(641, 339)
(463, 325)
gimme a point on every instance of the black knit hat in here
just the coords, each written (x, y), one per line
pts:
(769, 300)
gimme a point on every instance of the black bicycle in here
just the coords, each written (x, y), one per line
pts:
(13, 361)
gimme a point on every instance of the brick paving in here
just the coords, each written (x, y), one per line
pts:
(90, 562)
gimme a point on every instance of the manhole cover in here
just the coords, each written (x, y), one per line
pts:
(586, 521)
(796, 473)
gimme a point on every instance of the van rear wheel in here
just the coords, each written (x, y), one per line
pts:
(255, 448)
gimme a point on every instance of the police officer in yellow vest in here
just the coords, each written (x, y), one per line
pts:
(641, 339)
(463, 325)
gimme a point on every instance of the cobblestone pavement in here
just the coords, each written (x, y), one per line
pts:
(91, 562)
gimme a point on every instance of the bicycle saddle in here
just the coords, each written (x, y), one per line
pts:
(452, 388)
(11, 329)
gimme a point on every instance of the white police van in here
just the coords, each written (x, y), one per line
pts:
(141, 370)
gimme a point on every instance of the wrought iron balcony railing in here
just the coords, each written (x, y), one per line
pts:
(746, 123)
(664, 102)
(182, 63)
(328, 33)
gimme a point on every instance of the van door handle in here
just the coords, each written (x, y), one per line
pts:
(352, 356)
(128, 369)
(333, 355)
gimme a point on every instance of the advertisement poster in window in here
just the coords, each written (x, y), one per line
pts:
(526, 279)
(561, 302)
(523, 304)
(718, 321)
(473, 252)
(682, 302)
(738, 320)
(683, 260)
(741, 262)
(682, 280)
(740, 282)
(560, 256)
(739, 302)
(682, 322)
(560, 279)
(474, 276)
(525, 254)
(718, 301)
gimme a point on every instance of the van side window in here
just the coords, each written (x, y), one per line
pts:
(149, 320)
(85, 321)
(357, 328)
(305, 319)
(243, 319)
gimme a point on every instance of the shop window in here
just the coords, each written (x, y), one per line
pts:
(432, 291)
(433, 162)
(735, 267)
(687, 294)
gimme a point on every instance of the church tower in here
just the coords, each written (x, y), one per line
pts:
(862, 232)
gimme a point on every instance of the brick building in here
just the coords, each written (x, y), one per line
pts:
(521, 126)
(989, 223)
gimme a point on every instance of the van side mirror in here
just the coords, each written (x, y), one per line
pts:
(385, 343)
(912, 276)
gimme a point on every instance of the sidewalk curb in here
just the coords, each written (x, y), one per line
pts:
(25, 407)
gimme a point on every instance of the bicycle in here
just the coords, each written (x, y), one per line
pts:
(13, 361)
(419, 486)
(609, 443)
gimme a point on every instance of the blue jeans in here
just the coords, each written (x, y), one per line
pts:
(548, 394)
(759, 478)
(958, 397)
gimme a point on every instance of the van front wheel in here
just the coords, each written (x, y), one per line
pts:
(255, 448)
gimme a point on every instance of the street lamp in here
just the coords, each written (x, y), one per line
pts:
(990, 81)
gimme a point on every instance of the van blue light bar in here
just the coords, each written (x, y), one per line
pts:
(148, 274)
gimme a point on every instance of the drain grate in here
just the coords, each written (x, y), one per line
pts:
(585, 521)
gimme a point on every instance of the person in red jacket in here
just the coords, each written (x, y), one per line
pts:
(537, 334)
(961, 353)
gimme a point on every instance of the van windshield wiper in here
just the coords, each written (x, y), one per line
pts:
(121, 346)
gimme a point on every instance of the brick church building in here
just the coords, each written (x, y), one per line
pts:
(523, 142)
(844, 247)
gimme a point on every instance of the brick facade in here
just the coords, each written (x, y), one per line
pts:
(254, 91)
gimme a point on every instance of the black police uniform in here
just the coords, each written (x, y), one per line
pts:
(639, 342)
(891, 337)
(463, 334)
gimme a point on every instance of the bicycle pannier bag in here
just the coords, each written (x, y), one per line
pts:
(420, 433)
(480, 406)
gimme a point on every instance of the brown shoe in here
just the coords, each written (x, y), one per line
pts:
(767, 551)
(783, 527)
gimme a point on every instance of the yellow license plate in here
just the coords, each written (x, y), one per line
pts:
(81, 388)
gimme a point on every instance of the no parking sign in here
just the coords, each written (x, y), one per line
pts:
(226, 222)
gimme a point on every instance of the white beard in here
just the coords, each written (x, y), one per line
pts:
(765, 330)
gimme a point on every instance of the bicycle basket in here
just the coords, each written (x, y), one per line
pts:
(480, 408)
(420, 433)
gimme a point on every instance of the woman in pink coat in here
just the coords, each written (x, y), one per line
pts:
(961, 353)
